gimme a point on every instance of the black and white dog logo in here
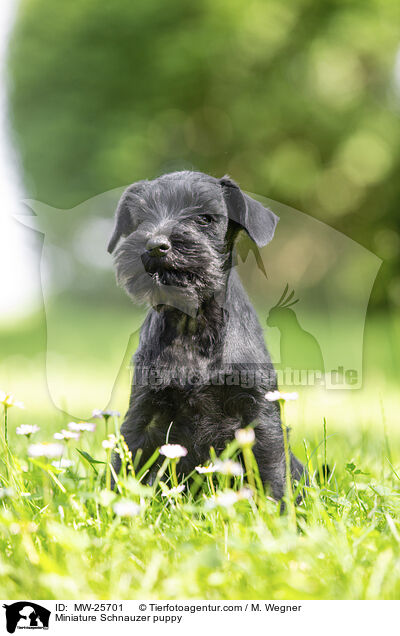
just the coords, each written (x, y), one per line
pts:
(26, 615)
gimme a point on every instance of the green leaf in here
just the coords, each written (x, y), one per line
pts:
(90, 460)
(148, 464)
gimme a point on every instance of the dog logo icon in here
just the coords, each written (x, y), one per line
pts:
(26, 615)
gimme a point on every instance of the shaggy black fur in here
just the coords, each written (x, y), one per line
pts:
(201, 362)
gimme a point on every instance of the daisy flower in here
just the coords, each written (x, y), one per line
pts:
(173, 451)
(244, 493)
(206, 470)
(173, 492)
(245, 436)
(109, 443)
(126, 508)
(8, 400)
(45, 449)
(63, 463)
(67, 435)
(81, 427)
(98, 413)
(27, 429)
(228, 498)
(6, 492)
(228, 467)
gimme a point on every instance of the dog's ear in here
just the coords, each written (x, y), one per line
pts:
(258, 221)
(123, 220)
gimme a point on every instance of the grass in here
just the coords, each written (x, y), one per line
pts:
(60, 536)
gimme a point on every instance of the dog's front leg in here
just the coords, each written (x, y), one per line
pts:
(269, 452)
(142, 430)
(131, 432)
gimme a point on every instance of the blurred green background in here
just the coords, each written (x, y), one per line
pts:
(298, 101)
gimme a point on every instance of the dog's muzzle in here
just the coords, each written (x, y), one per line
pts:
(158, 246)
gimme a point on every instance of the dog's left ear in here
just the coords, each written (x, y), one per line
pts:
(258, 221)
(123, 220)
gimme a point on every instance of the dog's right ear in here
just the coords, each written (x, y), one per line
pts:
(123, 220)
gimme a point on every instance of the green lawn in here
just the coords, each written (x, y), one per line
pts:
(61, 538)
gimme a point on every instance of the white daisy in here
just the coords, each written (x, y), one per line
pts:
(67, 435)
(109, 443)
(126, 508)
(27, 429)
(172, 492)
(80, 427)
(63, 463)
(228, 467)
(245, 436)
(228, 498)
(173, 451)
(206, 470)
(8, 400)
(6, 492)
(45, 449)
(244, 493)
(97, 413)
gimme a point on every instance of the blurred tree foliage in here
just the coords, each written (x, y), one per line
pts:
(299, 101)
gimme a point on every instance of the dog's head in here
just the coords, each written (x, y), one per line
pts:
(179, 231)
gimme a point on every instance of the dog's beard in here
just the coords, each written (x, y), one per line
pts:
(170, 284)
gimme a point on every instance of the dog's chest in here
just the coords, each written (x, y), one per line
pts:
(187, 353)
(181, 353)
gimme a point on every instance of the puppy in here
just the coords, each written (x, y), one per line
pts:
(201, 368)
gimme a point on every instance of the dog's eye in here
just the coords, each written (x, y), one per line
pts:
(204, 219)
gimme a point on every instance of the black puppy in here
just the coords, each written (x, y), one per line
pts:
(201, 363)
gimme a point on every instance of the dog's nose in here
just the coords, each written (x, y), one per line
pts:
(158, 245)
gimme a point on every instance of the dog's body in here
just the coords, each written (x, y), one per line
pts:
(201, 364)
